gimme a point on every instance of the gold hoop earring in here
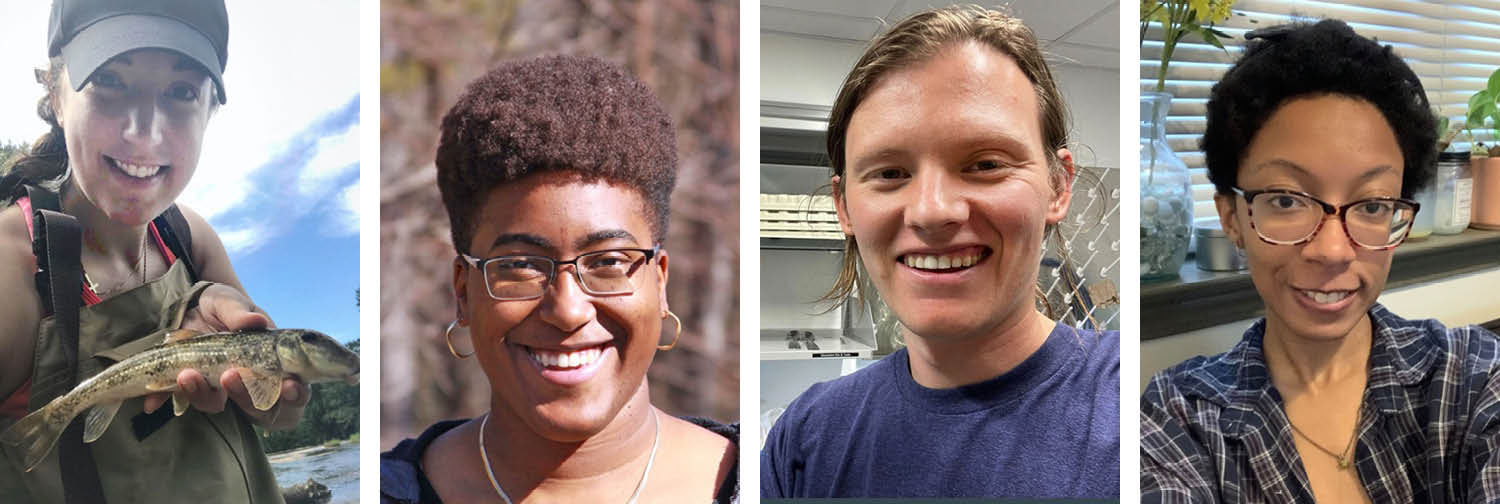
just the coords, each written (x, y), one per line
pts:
(448, 338)
(675, 338)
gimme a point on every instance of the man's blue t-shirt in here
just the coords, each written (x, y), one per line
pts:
(1050, 427)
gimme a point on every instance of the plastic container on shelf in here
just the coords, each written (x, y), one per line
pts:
(1453, 193)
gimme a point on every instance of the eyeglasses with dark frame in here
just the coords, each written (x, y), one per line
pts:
(525, 277)
(1290, 217)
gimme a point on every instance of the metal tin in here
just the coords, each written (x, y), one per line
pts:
(1214, 250)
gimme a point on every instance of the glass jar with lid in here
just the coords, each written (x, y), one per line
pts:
(1453, 191)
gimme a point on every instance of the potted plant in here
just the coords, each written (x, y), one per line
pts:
(1166, 193)
(1485, 165)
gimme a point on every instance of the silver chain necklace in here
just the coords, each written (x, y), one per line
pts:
(484, 455)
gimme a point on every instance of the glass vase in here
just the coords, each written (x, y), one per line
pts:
(1166, 194)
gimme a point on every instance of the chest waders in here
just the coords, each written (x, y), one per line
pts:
(155, 458)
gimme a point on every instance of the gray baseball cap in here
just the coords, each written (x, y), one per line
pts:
(88, 33)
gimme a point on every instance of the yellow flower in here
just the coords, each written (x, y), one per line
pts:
(1200, 9)
(1219, 11)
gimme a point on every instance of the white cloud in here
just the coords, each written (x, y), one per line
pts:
(344, 217)
(284, 73)
(336, 157)
(242, 240)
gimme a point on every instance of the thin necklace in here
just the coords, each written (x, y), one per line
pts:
(140, 267)
(1343, 457)
(483, 454)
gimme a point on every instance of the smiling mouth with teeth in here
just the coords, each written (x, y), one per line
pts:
(135, 170)
(944, 262)
(565, 360)
(1326, 297)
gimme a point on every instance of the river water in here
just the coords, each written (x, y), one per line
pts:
(337, 468)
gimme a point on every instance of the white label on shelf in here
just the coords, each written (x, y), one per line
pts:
(1461, 201)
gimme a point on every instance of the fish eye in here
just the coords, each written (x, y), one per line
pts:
(308, 338)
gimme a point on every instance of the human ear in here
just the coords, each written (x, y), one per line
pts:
(460, 286)
(1225, 204)
(845, 224)
(1062, 187)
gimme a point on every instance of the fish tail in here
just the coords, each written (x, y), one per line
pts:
(37, 433)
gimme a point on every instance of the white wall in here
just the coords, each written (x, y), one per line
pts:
(809, 71)
(1460, 300)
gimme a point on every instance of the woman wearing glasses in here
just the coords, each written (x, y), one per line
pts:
(556, 174)
(1316, 141)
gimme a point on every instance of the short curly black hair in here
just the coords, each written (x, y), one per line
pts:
(571, 114)
(1307, 60)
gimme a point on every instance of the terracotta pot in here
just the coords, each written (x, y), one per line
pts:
(1486, 193)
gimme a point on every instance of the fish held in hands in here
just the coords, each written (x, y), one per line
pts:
(264, 358)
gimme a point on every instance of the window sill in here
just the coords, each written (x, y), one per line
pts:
(1199, 299)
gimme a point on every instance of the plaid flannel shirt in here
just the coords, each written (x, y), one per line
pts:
(1213, 428)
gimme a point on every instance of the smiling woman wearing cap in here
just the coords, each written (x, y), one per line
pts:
(130, 89)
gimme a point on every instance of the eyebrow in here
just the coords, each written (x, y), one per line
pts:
(988, 140)
(1368, 174)
(605, 235)
(522, 238)
(882, 154)
(183, 64)
(543, 243)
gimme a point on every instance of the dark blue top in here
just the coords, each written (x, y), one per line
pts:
(403, 482)
(1214, 429)
(1050, 427)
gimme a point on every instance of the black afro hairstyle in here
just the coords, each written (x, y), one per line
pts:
(577, 115)
(1308, 60)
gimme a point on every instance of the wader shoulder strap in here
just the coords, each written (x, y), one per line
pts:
(57, 246)
(174, 230)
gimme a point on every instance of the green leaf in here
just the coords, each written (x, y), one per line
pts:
(1208, 36)
(1494, 84)
(1482, 104)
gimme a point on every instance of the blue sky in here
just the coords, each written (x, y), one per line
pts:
(278, 177)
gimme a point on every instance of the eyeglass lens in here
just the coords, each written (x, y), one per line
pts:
(603, 272)
(1292, 218)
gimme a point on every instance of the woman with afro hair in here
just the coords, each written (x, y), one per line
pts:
(1316, 141)
(556, 173)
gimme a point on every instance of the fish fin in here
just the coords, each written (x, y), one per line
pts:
(264, 389)
(37, 433)
(98, 420)
(180, 403)
(179, 335)
(162, 385)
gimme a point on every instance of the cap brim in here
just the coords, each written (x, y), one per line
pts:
(110, 37)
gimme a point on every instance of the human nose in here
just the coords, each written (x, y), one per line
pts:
(939, 205)
(143, 126)
(564, 304)
(1330, 242)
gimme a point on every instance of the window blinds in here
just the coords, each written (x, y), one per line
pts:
(1452, 47)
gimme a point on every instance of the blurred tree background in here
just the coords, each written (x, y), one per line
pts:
(687, 52)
